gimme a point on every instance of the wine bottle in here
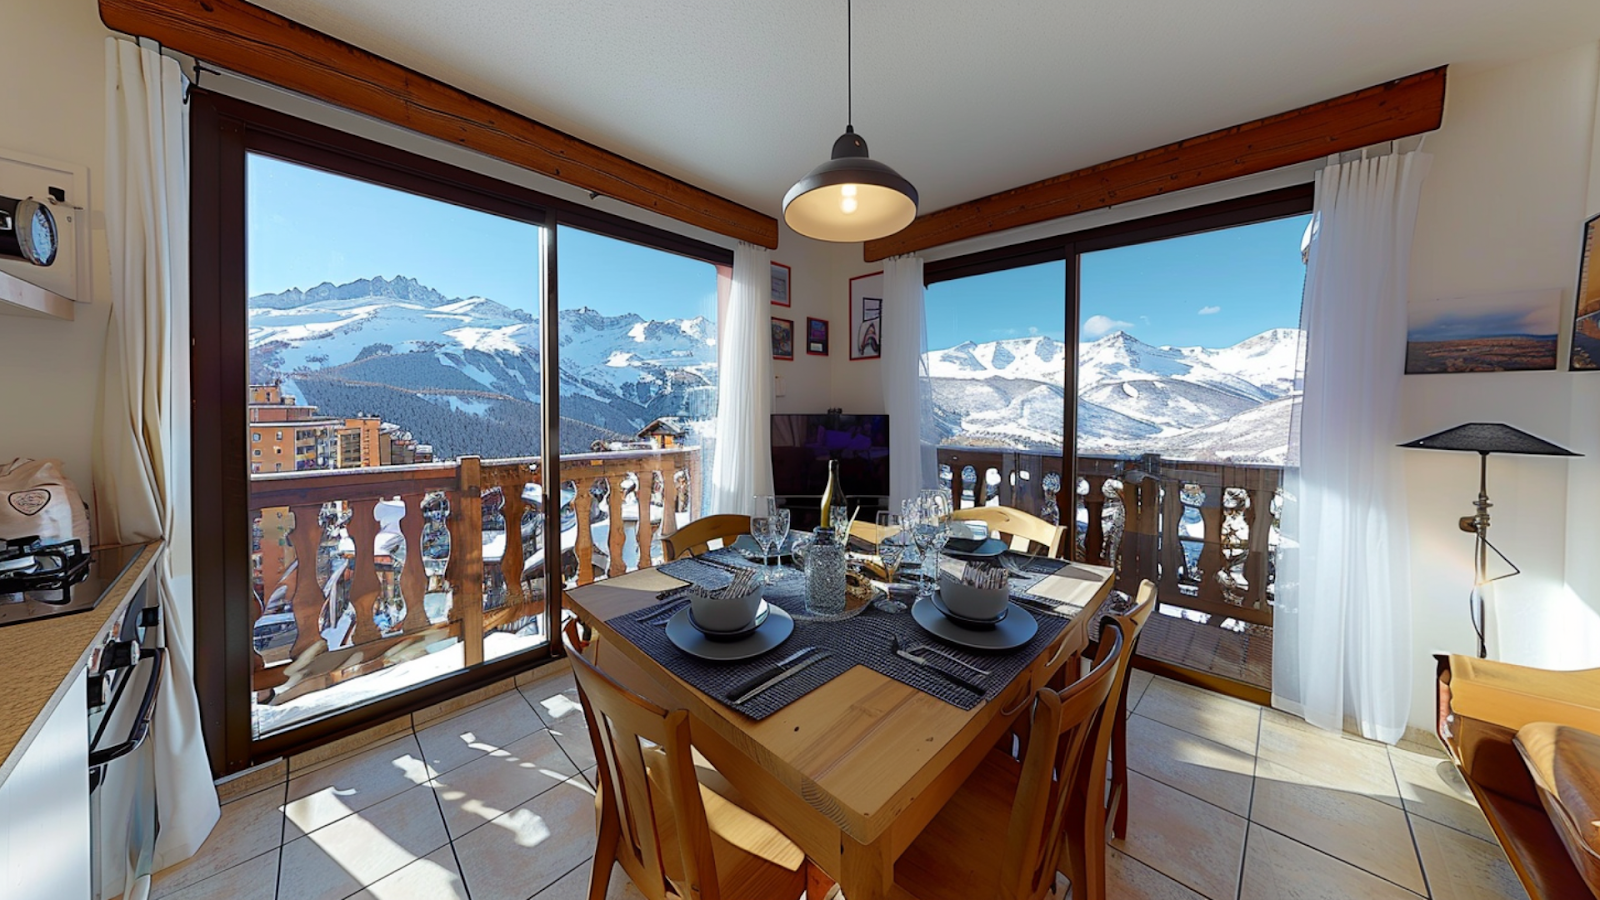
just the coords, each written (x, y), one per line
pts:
(831, 494)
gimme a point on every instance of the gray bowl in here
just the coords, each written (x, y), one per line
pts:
(980, 604)
(725, 615)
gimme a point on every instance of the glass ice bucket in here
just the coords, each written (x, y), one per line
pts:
(822, 557)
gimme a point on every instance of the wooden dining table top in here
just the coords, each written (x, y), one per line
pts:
(860, 752)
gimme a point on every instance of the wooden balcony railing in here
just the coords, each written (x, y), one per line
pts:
(402, 557)
(1203, 532)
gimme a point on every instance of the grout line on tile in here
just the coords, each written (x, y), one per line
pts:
(1344, 861)
(575, 868)
(283, 832)
(450, 838)
(1427, 884)
(1249, 810)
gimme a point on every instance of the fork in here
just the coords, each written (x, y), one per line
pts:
(929, 648)
(900, 651)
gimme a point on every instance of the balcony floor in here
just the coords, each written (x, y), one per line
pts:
(1245, 657)
(494, 801)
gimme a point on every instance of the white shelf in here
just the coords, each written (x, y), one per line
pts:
(20, 298)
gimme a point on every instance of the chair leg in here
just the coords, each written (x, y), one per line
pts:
(607, 835)
(1119, 771)
(818, 885)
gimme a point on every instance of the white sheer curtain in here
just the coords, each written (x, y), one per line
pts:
(907, 396)
(742, 466)
(1342, 620)
(142, 480)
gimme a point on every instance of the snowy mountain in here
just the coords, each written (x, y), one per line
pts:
(1194, 403)
(464, 373)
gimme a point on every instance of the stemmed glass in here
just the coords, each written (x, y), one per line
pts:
(761, 527)
(778, 525)
(915, 517)
(892, 538)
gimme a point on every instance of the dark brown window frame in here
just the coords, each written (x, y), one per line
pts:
(1070, 246)
(223, 131)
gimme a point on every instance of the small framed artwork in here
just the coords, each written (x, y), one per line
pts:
(780, 284)
(1586, 324)
(1489, 333)
(782, 338)
(816, 336)
(866, 316)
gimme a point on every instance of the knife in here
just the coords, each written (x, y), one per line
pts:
(947, 676)
(747, 690)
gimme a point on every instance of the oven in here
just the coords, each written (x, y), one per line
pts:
(124, 686)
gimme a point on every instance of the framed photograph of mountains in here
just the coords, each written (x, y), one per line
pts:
(780, 284)
(1586, 321)
(1492, 333)
(782, 338)
(866, 316)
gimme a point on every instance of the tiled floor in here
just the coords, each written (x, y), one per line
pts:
(1242, 656)
(494, 801)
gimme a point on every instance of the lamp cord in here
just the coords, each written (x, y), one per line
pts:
(849, 67)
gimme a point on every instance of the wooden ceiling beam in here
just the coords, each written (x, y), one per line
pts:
(261, 44)
(1384, 112)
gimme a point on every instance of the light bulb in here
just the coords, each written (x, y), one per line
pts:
(847, 190)
(847, 205)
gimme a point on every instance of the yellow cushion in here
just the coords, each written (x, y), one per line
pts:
(1513, 696)
(1565, 765)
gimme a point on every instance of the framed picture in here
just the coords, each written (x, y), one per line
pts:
(780, 284)
(782, 338)
(866, 316)
(1490, 333)
(816, 336)
(1586, 323)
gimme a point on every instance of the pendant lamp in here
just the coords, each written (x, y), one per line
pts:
(851, 197)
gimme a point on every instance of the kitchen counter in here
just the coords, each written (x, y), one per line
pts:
(40, 660)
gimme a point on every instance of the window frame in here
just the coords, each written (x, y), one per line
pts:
(1070, 246)
(223, 132)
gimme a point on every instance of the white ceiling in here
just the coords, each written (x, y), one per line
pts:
(963, 98)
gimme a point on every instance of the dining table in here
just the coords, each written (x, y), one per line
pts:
(854, 769)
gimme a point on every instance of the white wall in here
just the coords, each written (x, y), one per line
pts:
(1502, 210)
(49, 370)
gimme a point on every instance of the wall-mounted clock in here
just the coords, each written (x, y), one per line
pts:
(27, 231)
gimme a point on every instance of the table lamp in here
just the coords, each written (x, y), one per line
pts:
(1485, 438)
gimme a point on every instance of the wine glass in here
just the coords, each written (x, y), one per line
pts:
(761, 532)
(891, 545)
(778, 519)
(916, 516)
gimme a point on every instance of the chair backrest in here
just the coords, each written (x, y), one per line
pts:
(1053, 765)
(1014, 523)
(618, 720)
(698, 535)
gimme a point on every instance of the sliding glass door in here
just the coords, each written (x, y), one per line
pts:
(403, 446)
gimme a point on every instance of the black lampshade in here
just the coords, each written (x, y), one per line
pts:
(1489, 437)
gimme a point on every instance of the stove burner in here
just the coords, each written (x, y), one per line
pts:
(28, 564)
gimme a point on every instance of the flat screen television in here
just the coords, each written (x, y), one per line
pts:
(803, 444)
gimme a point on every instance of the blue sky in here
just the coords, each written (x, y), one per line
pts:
(308, 226)
(1213, 290)
(1533, 313)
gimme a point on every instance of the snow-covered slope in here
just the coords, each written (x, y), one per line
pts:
(1132, 397)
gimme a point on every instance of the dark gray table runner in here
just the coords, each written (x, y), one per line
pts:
(861, 640)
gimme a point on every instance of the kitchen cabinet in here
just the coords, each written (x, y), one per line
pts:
(44, 809)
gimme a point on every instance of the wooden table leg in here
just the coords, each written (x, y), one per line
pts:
(867, 870)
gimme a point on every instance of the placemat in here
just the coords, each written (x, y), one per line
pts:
(861, 640)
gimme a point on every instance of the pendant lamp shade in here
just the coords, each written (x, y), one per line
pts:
(851, 197)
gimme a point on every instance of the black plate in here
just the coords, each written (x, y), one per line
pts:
(966, 622)
(741, 634)
(985, 549)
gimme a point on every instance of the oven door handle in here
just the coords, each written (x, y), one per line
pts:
(141, 722)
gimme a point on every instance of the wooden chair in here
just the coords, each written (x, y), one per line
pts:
(1083, 848)
(676, 828)
(1133, 622)
(1032, 802)
(1014, 523)
(696, 537)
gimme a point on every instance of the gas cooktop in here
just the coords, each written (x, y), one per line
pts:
(39, 580)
